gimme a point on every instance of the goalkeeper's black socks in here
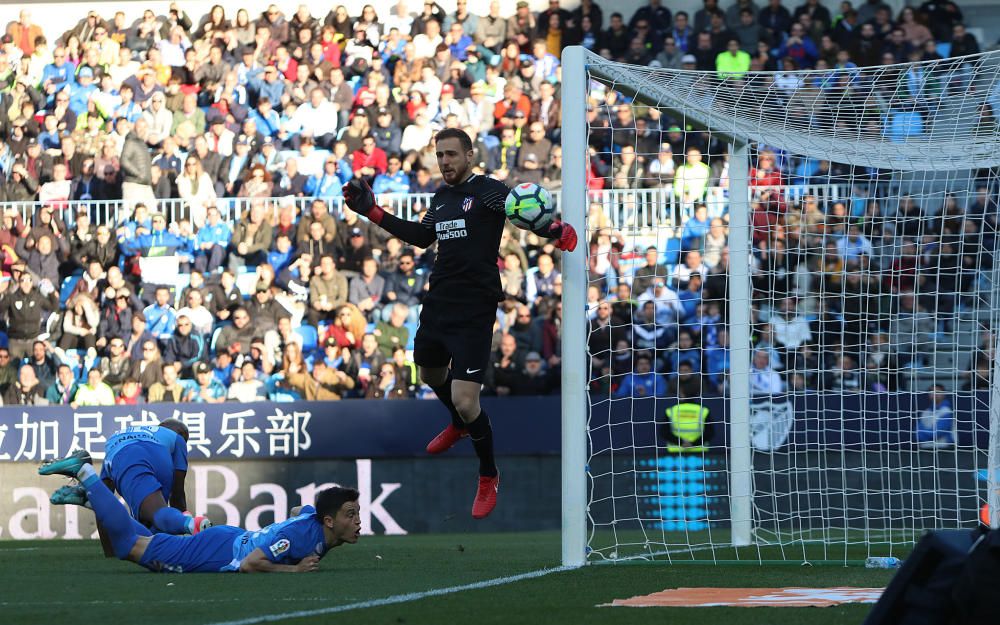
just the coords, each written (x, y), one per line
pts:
(443, 393)
(481, 433)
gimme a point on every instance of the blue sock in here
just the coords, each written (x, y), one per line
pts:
(121, 527)
(170, 521)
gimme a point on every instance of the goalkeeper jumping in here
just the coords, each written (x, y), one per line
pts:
(452, 344)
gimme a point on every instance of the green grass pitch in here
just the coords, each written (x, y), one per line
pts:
(49, 582)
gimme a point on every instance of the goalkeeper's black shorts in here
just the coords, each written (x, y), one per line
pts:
(457, 335)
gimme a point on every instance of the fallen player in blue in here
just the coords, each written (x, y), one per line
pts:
(148, 466)
(292, 546)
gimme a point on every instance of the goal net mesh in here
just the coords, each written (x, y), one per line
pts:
(872, 306)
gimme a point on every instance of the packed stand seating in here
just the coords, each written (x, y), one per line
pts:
(174, 228)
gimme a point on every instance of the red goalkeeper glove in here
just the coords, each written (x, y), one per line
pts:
(361, 199)
(564, 235)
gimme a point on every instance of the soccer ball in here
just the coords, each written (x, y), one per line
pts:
(529, 206)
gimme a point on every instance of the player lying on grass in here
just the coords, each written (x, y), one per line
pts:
(148, 466)
(452, 346)
(295, 545)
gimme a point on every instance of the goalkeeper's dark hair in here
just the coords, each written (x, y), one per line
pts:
(329, 501)
(455, 133)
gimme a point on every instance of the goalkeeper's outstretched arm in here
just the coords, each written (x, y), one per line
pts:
(361, 199)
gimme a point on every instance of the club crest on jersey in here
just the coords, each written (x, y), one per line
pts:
(280, 547)
(467, 203)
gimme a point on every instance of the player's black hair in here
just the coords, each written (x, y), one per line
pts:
(455, 133)
(330, 500)
(177, 426)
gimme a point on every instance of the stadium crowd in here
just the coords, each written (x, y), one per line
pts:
(174, 114)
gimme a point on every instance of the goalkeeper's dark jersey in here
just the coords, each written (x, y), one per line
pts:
(467, 220)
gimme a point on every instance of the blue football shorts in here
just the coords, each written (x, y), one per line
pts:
(208, 551)
(139, 470)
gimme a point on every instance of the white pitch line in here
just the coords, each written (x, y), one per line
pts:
(412, 596)
(145, 602)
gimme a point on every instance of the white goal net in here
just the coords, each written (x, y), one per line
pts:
(791, 298)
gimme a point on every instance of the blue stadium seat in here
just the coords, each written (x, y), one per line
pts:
(74, 358)
(285, 396)
(671, 252)
(412, 328)
(66, 288)
(215, 336)
(183, 282)
(279, 394)
(310, 337)
(246, 280)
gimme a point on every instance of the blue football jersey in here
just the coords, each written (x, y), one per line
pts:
(287, 542)
(174, 443)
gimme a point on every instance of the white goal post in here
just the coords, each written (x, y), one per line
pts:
(911, 152)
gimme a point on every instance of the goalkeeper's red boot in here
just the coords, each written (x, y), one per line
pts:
(446, 439)
(486, 496)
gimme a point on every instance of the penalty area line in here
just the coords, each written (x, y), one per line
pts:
(394, 599)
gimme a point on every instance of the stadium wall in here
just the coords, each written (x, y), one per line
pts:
(250, 463)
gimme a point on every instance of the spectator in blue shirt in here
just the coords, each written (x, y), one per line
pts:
(79, 94)
(188, 246)
(690, 297)
(49, 137)
(387, 134)
(696, 228)
(717, 358)
(169, 159)
(267, 119)
(58, 74)
(139, 224)
(422, 182)
(129, 108)
(326, 184)
(158, 241)
(800, 47)
(544, 61)
(281, 256)
(205, 389)
(223, 371)
(642, 382)
(212, 242)
(393, 45)
(394, 180)
(460, 42)
(344, 170)
(161, 319)
(271, 86)
(686, 351)
(854, 245)
(936, 423)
